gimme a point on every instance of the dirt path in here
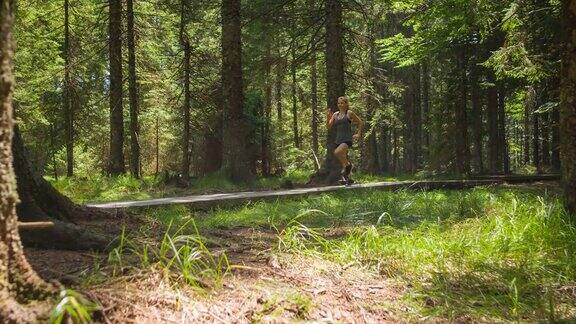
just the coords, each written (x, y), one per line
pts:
(263, 286)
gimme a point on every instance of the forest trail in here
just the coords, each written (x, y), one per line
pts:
(211, 200)
(261, 286)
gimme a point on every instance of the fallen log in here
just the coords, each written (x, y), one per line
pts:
(518, 178)
(35, 225)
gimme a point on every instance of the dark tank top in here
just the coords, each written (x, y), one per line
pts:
(343, 128)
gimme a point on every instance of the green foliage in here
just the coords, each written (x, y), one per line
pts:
(492, 253)
(502, 255)
(185, 258)
(181, 255)
(99, 188)
(73, 307)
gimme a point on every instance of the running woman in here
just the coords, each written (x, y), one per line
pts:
(343, 120)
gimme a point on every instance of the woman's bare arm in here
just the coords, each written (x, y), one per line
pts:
(330, 118)
(359, 124)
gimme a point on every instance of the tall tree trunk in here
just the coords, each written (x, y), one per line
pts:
(546, 140)
(19, 284)
(68, 93)
(462, 147)
(417, 117)
(236, 159)
(335, 86)
(39, 201)
(212, 149)
(528, 104)
(568, 106)
(409, 124)
(294, 96)
(157, 145)
(385, 148)
(536, 140)
(555, 118)
(186, 114)
(372, 160)
(133, 94)
(314, 103)
(502, 139)
(492, 107)
(279, 86)
(185, 43)
(395, 151)
(476, 117)
(426, 108)
(545, 127)
(265, 128)
(116, 111)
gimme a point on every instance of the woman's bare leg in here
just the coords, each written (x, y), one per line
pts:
(341, 154)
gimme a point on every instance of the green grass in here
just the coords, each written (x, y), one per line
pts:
(403, 208)
(100, 188)
(181, 255)
(72, 307)
(493, 253)
(504, 256)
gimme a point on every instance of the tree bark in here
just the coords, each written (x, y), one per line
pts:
(492, 107)
(335, 86)
(294, 96)
(502, 138)
(417, 117)
(40, 201)
(426, 108)
(186, 114)
(546, 140)
(536, 140)
(279, 86)
(211, 157)
(409, 151)
(133, 93)
(157, 153)
(476, 117)
(19, 284)
(236, 160)
(384, 149)
(185, 44)
(372, 160)
(568, 106)
(528, 104)
(265, 128)
(555, 117)
(68, 93)
(462, 147)
(116, 111)
(314, 102)
(395, 151)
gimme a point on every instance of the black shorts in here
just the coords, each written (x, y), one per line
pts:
(349, 143)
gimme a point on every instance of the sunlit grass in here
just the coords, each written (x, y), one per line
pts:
(181, 255)
(513, 260)
(72, 307)
(491, 252)
(98, 188)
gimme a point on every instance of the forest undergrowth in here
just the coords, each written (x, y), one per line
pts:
(99, 188)
(498, 253)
